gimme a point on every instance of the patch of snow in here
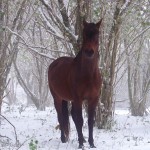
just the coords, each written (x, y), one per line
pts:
(128, 132)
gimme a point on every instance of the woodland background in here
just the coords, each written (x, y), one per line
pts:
(33, 33)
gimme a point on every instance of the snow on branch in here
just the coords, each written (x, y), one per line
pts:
(124, 7)
(51, 29)
(30, 47)
(63, 12)
(64, 26)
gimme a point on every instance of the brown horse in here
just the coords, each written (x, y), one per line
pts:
(77, 79)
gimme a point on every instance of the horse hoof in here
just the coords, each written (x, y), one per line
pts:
(63, 140)
(80, 147)
(84, 141)
(92, 146)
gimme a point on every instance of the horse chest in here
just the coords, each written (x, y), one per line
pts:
(87, 87)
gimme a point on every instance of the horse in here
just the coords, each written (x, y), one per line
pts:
(75, 79)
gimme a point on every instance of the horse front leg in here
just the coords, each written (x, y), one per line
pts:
(76, 113)
(91, 113)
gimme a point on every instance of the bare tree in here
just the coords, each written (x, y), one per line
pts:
(31, 63)
(137, 60)
(109, 52)
(10, 20)
(21, 35)
(138, 81)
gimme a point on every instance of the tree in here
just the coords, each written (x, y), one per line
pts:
(10, 20)
(109, 51)
(138, 65)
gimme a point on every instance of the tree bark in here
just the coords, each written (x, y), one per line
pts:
(106, 110)
(2, 83)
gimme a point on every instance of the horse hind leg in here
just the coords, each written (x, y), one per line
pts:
(65, 122)
(63, 118)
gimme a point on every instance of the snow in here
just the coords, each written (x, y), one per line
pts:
(125, 5)
(127, 133)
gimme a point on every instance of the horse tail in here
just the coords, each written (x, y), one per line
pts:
(65, 113)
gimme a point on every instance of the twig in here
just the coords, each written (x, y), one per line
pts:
(3, 136)
(142, 32)
(30, 47)
(12, 126)
(23, 143)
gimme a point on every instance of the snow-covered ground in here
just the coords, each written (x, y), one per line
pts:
(128, 133)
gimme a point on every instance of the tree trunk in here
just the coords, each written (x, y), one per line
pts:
(105, 108)
(136, 84)
(2, 55)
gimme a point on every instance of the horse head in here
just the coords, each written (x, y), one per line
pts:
(90, 38)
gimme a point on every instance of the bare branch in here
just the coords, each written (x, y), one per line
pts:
(30, 47)
(141, 33)
(67, 31)
(23, 84)
(125, 6)
(17, 142)
(64, 13)
(14, 24)
(24, 143)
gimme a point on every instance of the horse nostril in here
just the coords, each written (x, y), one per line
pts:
(89, 52)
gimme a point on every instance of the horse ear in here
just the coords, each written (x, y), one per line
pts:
(99, 23)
